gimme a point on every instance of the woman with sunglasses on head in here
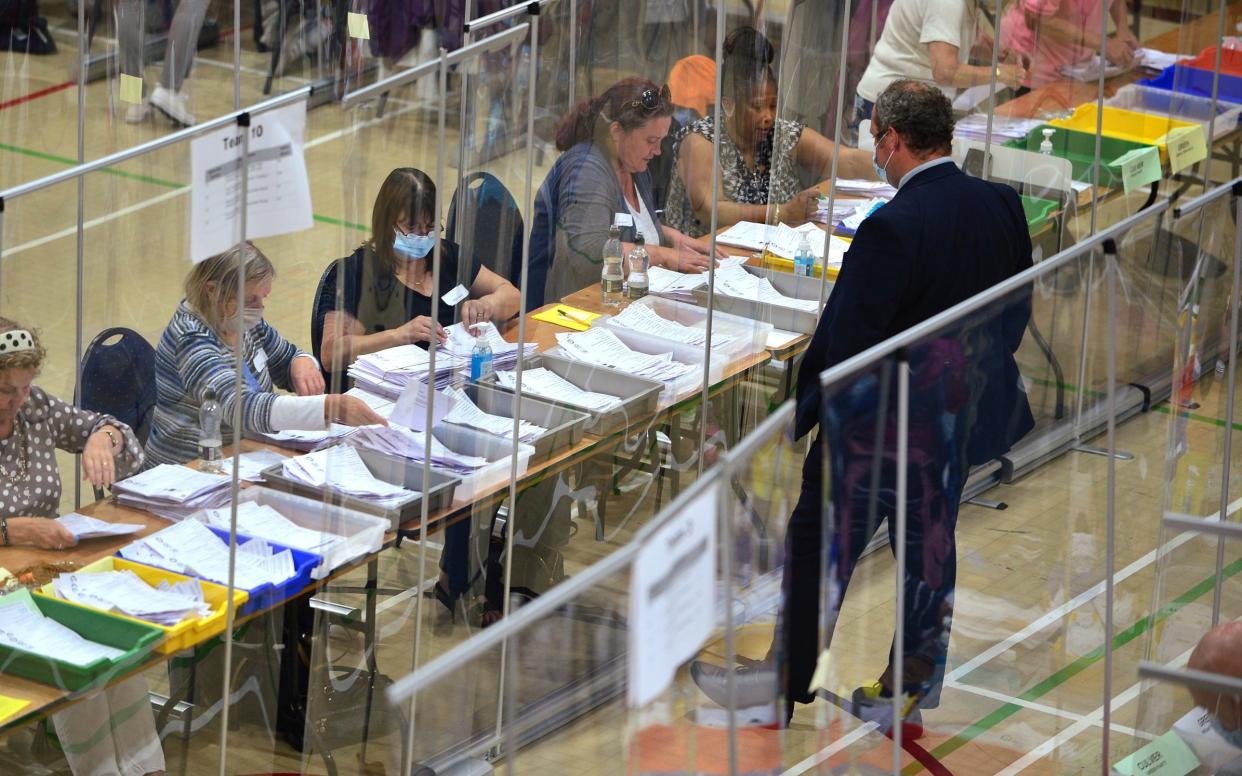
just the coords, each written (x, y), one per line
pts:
(607, 143)
(761, 156)
(380, 296)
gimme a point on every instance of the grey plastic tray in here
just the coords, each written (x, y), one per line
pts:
(398, 471)
(780, 317)
(564, 425)
(639, 396)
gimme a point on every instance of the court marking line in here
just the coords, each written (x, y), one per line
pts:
(48, 157)
(1069, 671)
(1043, 708)
(37, 94)
(1077, 601)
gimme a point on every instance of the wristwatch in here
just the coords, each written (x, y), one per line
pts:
(111, 437)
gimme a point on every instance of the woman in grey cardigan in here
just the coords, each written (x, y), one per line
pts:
(608, 141)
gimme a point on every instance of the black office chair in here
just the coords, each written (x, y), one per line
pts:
(320, 308)
(118, 378)
(485, 222)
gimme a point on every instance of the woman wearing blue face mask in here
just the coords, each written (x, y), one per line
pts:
(196, 354)
(386, 294)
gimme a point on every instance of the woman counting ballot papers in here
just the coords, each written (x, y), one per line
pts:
(111, 732)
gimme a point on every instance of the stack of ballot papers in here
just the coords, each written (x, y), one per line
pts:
(386, 373)
(294, 440)
(849, 225)
(853, 188)
(601, 347)
(173, 492)
(735, 281)
(264, 522)
(466, 413)
(975, 127)
(341, 469)
(461, 342)
(83, 527)
(23, 626)
(126, 592)
(783, 240)
(640, 317)
(189, 547)
(547, 384)
(672, 284)
(841, 207)
(251, 465)
(395, 439)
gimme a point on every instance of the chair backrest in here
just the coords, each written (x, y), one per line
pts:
(485, 222)
(118, 378)
(319, 310)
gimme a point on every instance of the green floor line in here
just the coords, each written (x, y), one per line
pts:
(1042, 688)
(1192, 416)
(339, 222)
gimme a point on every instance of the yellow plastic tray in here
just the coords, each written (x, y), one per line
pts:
(772, 261)
(184, 634)
(1136, 127)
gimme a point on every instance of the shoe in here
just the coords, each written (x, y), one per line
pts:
(136, 114)
(446, 615)
(753, 687)
(872, 704)
(173, 105)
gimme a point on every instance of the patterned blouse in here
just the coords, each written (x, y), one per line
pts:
(774, 178)
(45, 423)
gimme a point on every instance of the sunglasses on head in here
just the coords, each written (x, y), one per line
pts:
(651, 99)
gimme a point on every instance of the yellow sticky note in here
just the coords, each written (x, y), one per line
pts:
(1187, 145)
(131, 89)
(1139, 167)
(10, 707)
(569, 317)
(358, 27)
(821, 673)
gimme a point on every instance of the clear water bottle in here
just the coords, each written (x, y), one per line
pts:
(480, 359)
(639, 262)
(804, 260)
(209, 440)
(1045, 147)
(612, 276)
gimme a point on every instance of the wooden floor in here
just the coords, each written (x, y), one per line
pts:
(1026, 675)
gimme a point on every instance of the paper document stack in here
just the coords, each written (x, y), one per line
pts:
(341, 469)
(461, 342)
(83, 527)
(974, 126)
(856, 188)
(737, 282)
(386, 373)
(395, 439)
(264, 522)
(783, 240)
(23, 626)
(849, 225)
(173, 492)
(467, 413)
(675, 285)
(601, 347)
(1089, 69)
(189, 547)
(547, 384)
(251, 465)
(293, 440)
(127, 593)
(640, 317)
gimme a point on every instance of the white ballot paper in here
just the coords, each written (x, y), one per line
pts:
(251, 465)
(189, 547)
(125, 592)
(467, 413)
(264, 522)
(84, 527)
(547, 384)
(343, 470)
(23, 626)
(601, 347)
(640, 317)
(672, 598)
(395, 439)
(411, 409)
(278, 197)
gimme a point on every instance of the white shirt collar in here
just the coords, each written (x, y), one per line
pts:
(924, 166)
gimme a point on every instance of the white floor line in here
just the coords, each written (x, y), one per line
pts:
(1080, 599)
(1043, 708)
(830, 750)
(1095, 718)
(249, 70)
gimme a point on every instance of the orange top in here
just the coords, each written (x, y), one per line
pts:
(692, 82)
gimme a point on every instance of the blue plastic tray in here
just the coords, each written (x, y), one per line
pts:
(269, 595)
(1192, 80)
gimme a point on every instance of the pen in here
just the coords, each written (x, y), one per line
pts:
(572, 317)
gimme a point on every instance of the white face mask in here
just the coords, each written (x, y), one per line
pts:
(251, 317)
(882, 169)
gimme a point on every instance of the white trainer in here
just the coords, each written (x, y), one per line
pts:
(137, 113)
(173, 105)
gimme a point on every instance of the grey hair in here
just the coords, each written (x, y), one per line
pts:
(920, 113)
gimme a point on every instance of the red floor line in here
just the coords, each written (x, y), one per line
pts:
(38, 94)
(229, 32)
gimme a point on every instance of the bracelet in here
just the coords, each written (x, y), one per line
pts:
(4, 530)
(111, 437)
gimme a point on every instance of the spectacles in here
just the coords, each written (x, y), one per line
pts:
(651, 100)
(422, 230)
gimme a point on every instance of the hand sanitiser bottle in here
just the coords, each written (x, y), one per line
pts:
(209, 441)
(804, 260)
(480, 359)
(1045, 147)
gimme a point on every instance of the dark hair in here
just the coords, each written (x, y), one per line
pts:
(405, 190)
(747, 64)
(920, 113)
(622, 102)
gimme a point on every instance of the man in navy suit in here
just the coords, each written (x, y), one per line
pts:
(944, 238)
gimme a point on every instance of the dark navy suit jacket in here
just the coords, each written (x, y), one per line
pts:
(943, 238)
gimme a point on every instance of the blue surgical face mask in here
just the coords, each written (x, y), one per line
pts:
(413, 247)
(1232, 737)
(880, 170)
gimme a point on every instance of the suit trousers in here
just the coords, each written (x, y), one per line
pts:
(183, 33)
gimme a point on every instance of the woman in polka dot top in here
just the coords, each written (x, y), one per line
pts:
(33, 425)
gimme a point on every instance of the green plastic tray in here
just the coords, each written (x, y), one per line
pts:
(1037, 211)
(136, 638)
(1079, 148)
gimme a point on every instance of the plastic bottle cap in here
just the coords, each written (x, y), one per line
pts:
(1048, 132)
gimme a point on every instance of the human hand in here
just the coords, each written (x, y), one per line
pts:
(1011, 75)
(700, 245)
(1119, 51)
(475, 311)
(40, 532)
(350, 411)
(98, 461)
(801, 208)
(421, 329)
(686, 259)
(307, 379)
